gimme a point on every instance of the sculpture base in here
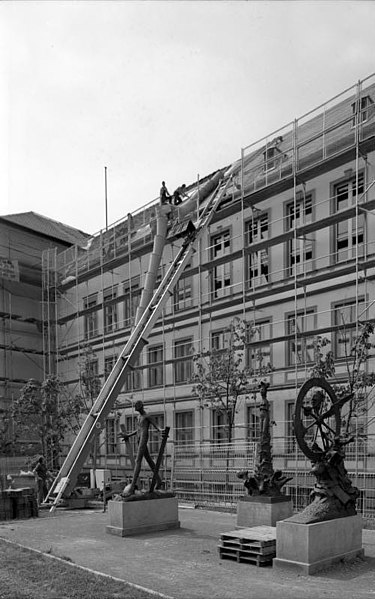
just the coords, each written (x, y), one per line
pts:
(260, 510)
(136, 517)
(309, 548)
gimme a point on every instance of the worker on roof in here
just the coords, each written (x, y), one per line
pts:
(165, 196)
(180, 191)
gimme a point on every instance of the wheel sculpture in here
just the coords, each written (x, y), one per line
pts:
(317, 426)
(317, 418)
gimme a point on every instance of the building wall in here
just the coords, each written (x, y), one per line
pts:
(21, 337)
(334, 158)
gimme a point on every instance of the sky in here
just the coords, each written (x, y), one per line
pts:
(157, 90)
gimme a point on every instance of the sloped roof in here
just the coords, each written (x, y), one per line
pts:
(46, 226)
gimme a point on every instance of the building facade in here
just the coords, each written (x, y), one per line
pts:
(291, 251)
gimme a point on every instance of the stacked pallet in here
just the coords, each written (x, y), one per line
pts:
(18, 504)
(256, 545)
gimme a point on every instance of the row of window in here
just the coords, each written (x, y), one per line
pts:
(257, 351)
(348, 240)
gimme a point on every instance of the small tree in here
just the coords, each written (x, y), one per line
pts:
(221, 378)
(40, 420)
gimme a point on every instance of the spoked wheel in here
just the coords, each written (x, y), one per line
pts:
(317, 418)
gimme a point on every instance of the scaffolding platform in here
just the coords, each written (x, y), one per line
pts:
(256, 545)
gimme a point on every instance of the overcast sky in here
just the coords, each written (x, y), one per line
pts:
(157, 90)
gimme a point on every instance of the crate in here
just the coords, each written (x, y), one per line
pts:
(256, 545)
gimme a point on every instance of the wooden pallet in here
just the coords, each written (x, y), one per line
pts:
(255, 545)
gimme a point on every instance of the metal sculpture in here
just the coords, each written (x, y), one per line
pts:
(317, 426)
(266, 481)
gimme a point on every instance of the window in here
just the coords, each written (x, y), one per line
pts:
(221, 274)
(111, 432)
(290, 437)
(219, 428)
(109, 362)
(91, 316)
(300, 249)
(257, 262)
(360, 110)
(183, 294)
(258, 353)
(155, 366)
(305, 344)
(132, 294)
(349, 238)
(253, 423)
(183, 360)
(219, 340)
(345, 319)
(110, 310)
(184, 428)
(134, 377)
(269, 157)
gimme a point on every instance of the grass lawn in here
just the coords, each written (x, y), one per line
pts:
(25, 574)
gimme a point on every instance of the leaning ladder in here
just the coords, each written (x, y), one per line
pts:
(65, 481)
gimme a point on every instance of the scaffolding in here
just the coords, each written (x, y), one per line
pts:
(290, 239)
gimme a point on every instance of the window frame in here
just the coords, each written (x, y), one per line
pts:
(306, 341)
(300, 252)
(111, 437)
(155, 374)
(90, 325)
(257, 263)
(346, 237)
(184, 433)
(221, 274)
(183, 364)
(110, 310)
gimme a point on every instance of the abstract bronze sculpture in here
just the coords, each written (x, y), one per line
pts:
(317, 426)
(266, 481)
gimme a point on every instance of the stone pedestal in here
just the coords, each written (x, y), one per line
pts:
(136, 517)
(263, 511)
(309, 548)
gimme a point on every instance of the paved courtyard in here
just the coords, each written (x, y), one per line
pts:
(184, 563)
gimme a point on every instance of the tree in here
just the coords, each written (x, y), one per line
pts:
(221, 379)
(40, 419)
(44, 413)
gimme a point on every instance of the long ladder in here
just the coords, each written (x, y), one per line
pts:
(66, 479)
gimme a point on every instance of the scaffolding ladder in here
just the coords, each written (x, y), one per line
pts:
(65, 480)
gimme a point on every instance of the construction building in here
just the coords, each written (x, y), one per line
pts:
(24, 238)
(290, 249)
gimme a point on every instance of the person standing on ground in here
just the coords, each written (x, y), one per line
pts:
(42, 475)
(142, 431)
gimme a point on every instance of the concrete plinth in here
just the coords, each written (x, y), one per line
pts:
(313, 547)
(136, 517)
(263, 511)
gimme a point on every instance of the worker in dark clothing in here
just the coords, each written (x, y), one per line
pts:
(165, 196)
(178, 193)
(41, 475)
